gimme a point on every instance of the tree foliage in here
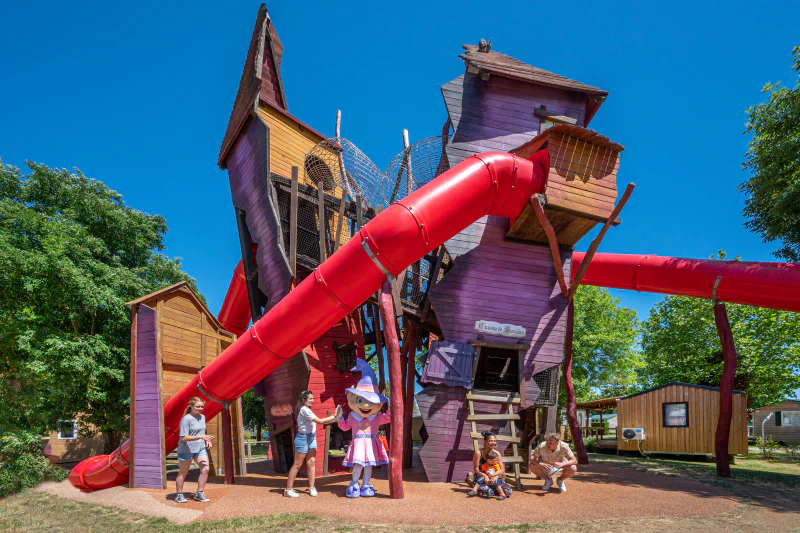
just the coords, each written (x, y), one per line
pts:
(22, 464)
(773, 191)
(605, 358)
(680, 343)
(253, 414)
(71, 254)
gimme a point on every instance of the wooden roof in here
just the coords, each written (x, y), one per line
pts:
(602, 403)
(576, 132)
(510, 67)
(185, 288)
(680, 384)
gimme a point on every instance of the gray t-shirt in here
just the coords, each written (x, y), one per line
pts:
(192, 427)
(305, 420)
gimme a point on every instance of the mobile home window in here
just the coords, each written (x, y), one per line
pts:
(676, 414)
(790, 418)
(67, 429)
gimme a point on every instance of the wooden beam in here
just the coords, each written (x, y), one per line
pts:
(293, 222)
(725, 390)
(327, 448)
(407, 162)
(395, 392)
(553, 241)
(322, 222)
(339, 223)
(132, 430)
(227, 444)
(432, 280)
(411, 351)
(376, 323)
(359, 211)
(576, 279)
(569, 389)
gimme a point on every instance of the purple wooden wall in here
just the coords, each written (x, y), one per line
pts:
(498, 114)
(248, 171)
(148, 445)
(505, 282)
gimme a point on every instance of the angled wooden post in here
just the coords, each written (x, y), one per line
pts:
(411, 351)
(569, 389)
(376, 321)
(725, 389)
(339, 223)
(227, 444)
(553, 241)
(323, 223)
(395, 393)
(293, 223)
(342, 170)
(576, 279)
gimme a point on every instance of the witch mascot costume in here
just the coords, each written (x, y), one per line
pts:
(366, 449)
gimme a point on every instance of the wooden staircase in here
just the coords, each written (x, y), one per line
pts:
(510, 399)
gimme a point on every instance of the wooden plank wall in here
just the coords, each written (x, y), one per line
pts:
(447, 454)
(788, 434)
(147, 466)
(248, 165)
(72, 451)
(646, 411)
(505, 282)
(498, 114)
(327, 383)
(289, 142)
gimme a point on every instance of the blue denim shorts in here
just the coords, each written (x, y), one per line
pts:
(190, 456)
(304, 442)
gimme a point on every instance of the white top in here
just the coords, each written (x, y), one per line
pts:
(305, 421)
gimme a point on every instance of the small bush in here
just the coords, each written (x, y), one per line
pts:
(22, 464)
(590, 443)
(793, 452)
(768, 447)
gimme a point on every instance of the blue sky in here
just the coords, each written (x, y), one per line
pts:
(138, 95)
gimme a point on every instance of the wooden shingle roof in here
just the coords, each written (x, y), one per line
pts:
(510, 67)
(185, 289)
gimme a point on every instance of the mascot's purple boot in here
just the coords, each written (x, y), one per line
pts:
(367, 491)
(354, 491)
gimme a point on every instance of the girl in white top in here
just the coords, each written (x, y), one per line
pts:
(305, 442)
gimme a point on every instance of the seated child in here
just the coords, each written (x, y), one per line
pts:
(491, 482)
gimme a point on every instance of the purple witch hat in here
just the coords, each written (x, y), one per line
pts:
(367, 385)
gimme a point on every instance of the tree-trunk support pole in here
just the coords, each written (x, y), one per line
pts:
(395, 392)
(553, 241)
(725, 390)
(569, 389)
(227, 444)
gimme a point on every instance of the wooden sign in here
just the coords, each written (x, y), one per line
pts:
(502, 330)
(281, 410)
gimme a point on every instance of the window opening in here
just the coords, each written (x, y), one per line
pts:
(498, 370)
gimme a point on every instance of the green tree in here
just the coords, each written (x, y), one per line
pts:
(773, 191)
(71, 254)
(680, 343)
(605, 358)
(253, 414)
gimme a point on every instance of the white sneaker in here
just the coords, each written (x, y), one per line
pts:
(312, 491)
(561, 486)
(291, 493)
(547, 484)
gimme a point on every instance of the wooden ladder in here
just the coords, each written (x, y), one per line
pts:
(510, 399)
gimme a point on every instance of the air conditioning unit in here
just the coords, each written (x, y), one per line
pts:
(633, 434)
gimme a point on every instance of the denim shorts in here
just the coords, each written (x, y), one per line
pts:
(190, 456)
(304, 442)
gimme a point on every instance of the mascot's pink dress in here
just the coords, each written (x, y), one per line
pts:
(365, 449)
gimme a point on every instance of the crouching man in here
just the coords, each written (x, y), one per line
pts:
(551, 457)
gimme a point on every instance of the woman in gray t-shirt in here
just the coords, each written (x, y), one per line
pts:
(305, 442)
(193, 445)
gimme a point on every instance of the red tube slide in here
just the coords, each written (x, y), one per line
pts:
(235, 312)
(774, 285)
(493, 183)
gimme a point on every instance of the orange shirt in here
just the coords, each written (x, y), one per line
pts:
(495, 469)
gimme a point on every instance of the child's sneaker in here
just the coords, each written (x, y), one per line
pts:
(200, 497)
(180, 498)
(291, 493)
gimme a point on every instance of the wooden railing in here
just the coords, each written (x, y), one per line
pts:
(599, 433)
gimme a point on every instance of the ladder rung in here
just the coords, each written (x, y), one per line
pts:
(502, 438)
(523, 476)
(489, 418)
(508, 459)
(512, 398)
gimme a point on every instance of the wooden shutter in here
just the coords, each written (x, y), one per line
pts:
(450, 364)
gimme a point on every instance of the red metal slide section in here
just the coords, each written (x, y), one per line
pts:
(235, 312)
(774, 285)
(492, 183)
